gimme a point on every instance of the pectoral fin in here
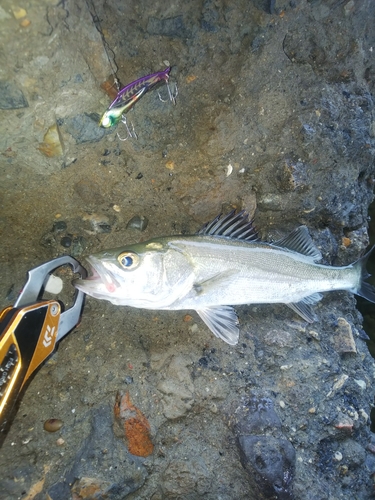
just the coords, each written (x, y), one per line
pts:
(222, 321)
(303, 308)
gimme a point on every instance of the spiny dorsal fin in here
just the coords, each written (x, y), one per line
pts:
(232, 225)
(300, 241)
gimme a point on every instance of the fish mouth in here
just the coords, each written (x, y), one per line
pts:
(100, 280)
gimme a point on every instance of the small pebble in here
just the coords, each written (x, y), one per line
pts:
(66, 241)
(338, 456)
(360, 383)
(54, 284)
(25, 23)
(53, 424)
(139, 222)
(282, 404)
(60, 442)
(19, 12)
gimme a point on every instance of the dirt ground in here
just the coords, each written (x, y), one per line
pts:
(275, 114)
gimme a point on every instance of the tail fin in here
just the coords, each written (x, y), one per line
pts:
(365, 289)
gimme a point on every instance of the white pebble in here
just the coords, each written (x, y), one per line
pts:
(54, 284)
(338, 456)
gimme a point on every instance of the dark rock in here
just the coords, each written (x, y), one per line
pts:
(66, 241)
(11, 97)
(84, 129)
(270, 462)
(103, 465)
(268, 458)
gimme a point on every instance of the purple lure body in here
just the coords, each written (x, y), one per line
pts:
(146, 82)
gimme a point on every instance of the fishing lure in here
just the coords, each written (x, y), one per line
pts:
(130, 94)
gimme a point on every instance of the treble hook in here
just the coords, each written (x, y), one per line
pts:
(130, 134)
(172, 96)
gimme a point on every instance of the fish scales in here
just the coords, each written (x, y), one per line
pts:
(223, 265)
(254, 273)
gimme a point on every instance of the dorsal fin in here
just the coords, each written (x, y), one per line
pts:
(300, 241)
(232, 225)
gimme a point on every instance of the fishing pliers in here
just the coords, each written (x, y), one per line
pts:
(30, 329)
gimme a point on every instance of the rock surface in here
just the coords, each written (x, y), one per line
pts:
(275, 113)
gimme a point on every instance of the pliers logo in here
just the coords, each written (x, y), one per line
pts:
(48, 335)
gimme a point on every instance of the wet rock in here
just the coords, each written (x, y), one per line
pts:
(84, 129)
(182, 477)
(139, 222)
(353, 454)
(89, 191)
(103, 468)
(11, 97)
(171, 26)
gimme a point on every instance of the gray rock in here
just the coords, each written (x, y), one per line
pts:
(11, 97)
(84, 128)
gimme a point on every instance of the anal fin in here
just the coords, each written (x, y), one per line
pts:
(222, 321)
(304, 309)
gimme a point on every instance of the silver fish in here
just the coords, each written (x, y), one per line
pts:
(224, 264)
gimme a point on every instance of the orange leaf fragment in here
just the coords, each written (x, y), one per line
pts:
(110, 88)
(136, 426)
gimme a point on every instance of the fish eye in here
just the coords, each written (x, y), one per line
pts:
(128, 260)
